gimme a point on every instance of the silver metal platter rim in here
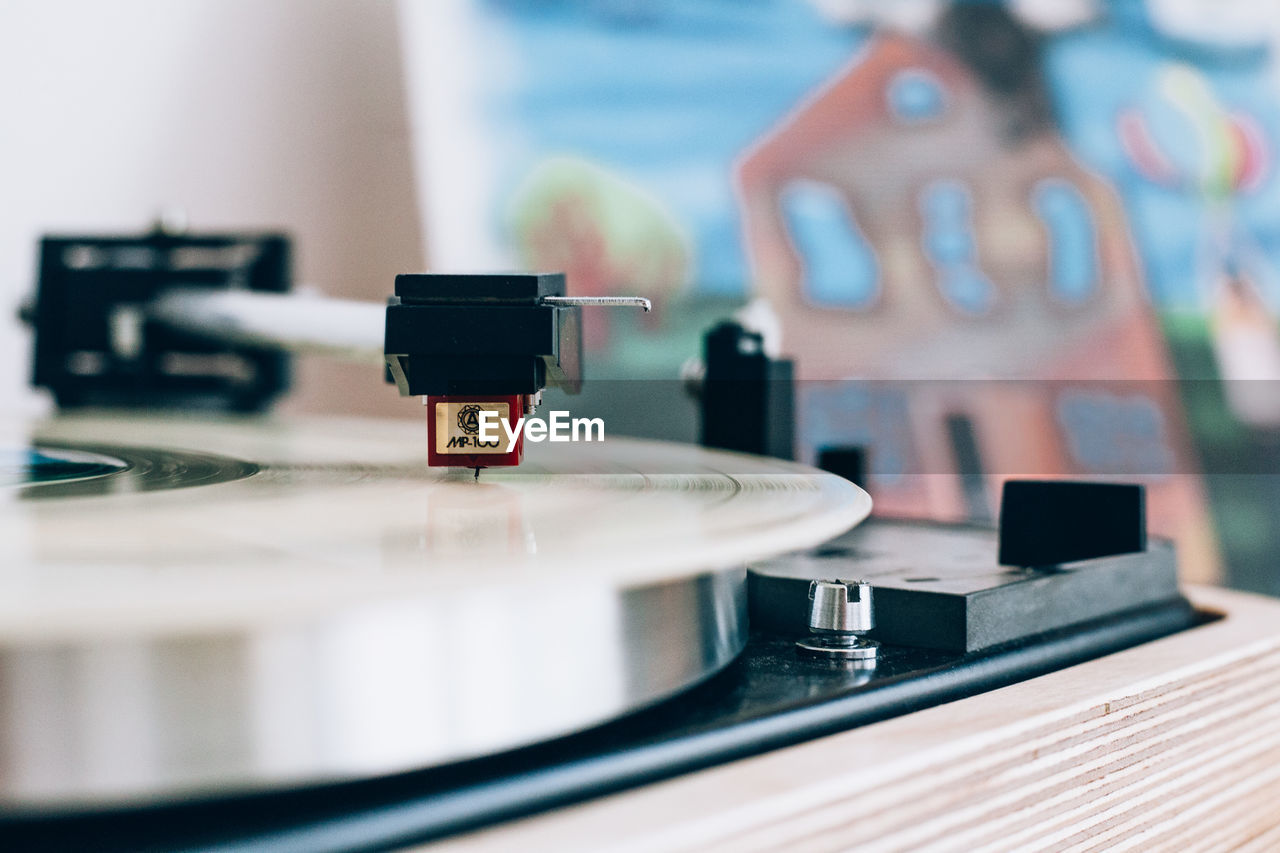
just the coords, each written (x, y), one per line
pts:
(133, 720)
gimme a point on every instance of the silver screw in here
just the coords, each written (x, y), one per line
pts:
(839, 611)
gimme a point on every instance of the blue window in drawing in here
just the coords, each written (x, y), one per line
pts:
(840, 269)
(948, 242)
(1073, 246)
(1108, 433)
(915, 96)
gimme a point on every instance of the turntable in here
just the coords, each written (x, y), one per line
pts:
(235, 631)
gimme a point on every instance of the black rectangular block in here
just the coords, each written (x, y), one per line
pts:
(1044, 523)
(478, 287)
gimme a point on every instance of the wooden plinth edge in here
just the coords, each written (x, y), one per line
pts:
(1175, 743)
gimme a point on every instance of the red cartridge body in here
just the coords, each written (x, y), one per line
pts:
(456, 434)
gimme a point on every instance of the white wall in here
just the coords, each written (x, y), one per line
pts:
(245, 113)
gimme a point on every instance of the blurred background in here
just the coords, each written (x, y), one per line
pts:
(282, 114)
(1023, 238)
